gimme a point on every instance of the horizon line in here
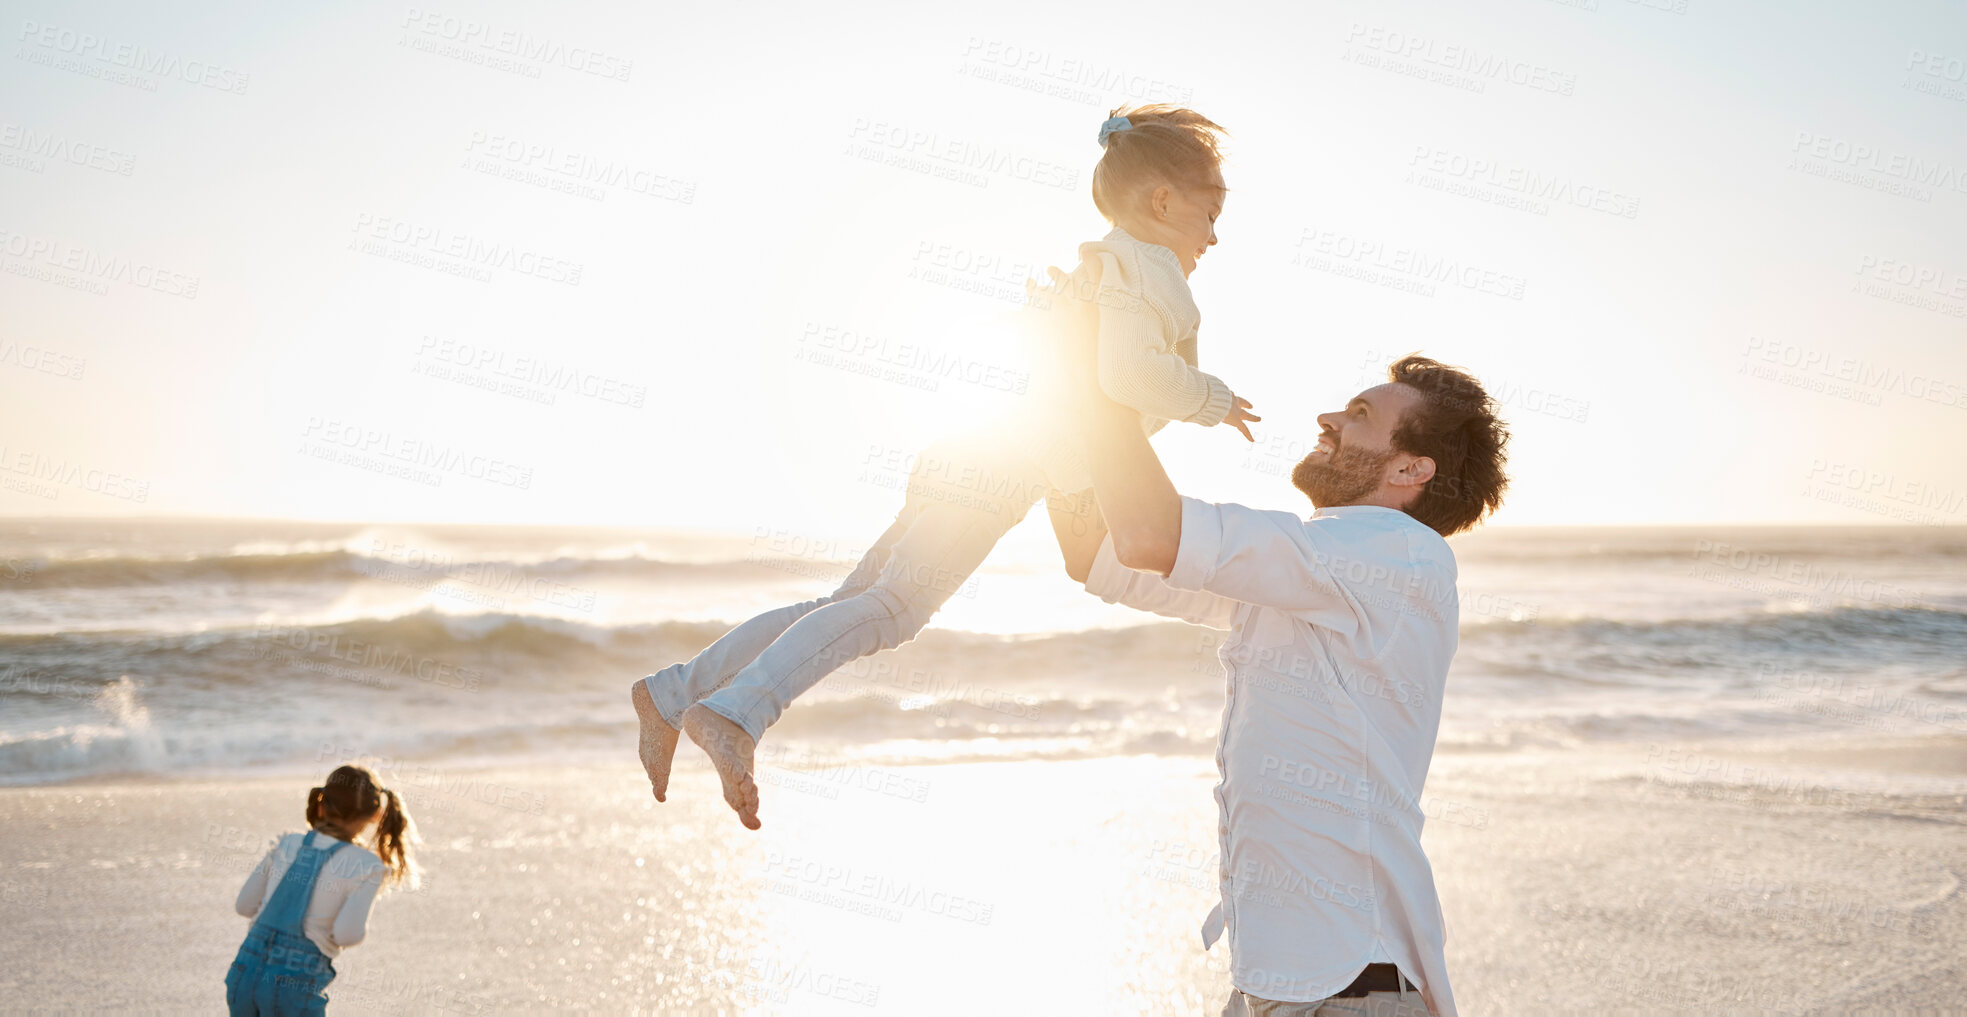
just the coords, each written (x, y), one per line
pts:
(1484, 527)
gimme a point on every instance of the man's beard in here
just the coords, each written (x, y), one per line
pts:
(1343, 478)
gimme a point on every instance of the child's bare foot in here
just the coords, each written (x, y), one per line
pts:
(657, 745)
(730, 751)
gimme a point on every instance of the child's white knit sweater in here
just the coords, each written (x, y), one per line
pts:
(1147, 348)
(1148, 321)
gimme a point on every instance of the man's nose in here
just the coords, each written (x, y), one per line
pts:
(1329, 421)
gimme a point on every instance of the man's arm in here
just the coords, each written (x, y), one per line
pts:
(1083, 539)
(1241, 555)
(1139, 502)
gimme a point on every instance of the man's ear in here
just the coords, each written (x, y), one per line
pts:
(1417, 471)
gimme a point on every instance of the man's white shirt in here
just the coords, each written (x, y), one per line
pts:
(1341, 627)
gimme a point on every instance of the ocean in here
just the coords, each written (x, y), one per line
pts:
(178, 649)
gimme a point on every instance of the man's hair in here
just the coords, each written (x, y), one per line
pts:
(1166, 144)
(1456, 425)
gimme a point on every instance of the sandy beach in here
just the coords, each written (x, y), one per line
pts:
(1675, 879)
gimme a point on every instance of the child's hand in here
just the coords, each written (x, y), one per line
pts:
(1239, 415)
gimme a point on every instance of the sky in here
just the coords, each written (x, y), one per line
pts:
(727, 267)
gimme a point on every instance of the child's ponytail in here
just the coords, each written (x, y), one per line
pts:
(394, 834)
(314, 805)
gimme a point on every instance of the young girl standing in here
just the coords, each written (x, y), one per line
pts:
(310, 895)
(1159, 183)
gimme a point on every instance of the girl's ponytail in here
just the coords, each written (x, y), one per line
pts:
(314, 805)
(395, 832)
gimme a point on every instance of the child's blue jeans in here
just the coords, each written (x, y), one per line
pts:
(963, 496)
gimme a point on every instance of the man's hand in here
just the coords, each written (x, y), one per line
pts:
(1239, 415)
(1070, 329)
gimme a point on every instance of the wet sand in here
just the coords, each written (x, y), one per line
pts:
(1685, 879)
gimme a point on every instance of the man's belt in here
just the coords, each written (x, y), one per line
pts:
(1376, 978)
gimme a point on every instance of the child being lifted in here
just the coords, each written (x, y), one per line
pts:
(1159, 182)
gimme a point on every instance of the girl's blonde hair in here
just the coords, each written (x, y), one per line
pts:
(353, 794)
(1166, 144)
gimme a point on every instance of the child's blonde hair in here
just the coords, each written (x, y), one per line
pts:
(1165, 144)
(353, 794)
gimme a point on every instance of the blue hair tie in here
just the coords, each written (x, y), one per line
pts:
(1113, 126)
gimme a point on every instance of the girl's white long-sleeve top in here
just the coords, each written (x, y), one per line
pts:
(1147, 323)
(338, 912)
